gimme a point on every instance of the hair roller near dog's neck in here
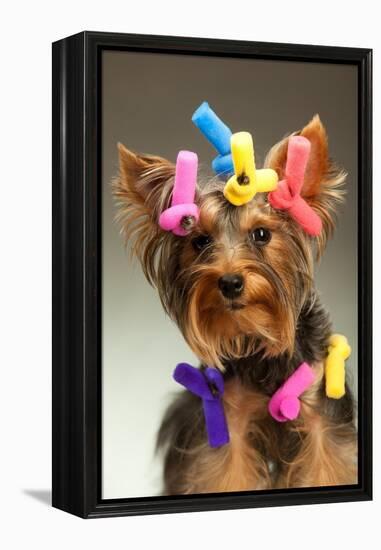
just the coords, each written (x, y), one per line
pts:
(339, 350)
(208, 384)
(183, 214)
(247, 181)
(284, 404)
(287, 196)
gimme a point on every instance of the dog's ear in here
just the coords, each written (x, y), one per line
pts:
(142, 191)
(318, 162)
(322, 181)
(142, 181)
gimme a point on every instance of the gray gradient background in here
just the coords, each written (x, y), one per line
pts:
(148, 100)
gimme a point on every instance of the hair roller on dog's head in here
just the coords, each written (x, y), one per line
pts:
(288, 194)
(218, 134)
(235, 159)
(247, 181)
(183, 214)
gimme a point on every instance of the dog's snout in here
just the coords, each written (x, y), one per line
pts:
(231, 285)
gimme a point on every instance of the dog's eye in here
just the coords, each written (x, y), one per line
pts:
(260, 236)
(201, 241)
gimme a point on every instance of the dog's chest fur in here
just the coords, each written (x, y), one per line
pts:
(266, 374)
(261, 449)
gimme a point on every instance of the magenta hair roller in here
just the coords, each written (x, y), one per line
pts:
(284, 404)
(183, 214)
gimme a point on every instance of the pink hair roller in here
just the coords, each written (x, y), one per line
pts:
(183, 213)
(284, 404)
(287, 195)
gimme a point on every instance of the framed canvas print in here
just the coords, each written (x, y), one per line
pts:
(212, 274)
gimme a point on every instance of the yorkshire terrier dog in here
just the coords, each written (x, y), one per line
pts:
(240, 287)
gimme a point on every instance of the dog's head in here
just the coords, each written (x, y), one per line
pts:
(237, 283)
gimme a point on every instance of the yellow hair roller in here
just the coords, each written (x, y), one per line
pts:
(338, 351)
(247, 181)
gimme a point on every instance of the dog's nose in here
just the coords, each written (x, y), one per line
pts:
(231, 285)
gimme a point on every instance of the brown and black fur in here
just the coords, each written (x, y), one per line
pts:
(258, 340)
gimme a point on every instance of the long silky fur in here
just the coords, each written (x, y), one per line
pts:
(318, 449)
(281, 324)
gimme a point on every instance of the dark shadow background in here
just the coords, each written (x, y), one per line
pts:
(148, 101)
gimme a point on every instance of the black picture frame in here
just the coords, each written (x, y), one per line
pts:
(77, 282)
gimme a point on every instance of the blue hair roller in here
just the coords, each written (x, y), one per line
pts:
(218, 134)
(223, 165)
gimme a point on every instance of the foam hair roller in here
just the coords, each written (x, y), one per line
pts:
(183, 213)
(338, 351)
(218, 134)
(222, 165)
(209, 386)
(284, 404)
(246, 181)
(287, 195)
